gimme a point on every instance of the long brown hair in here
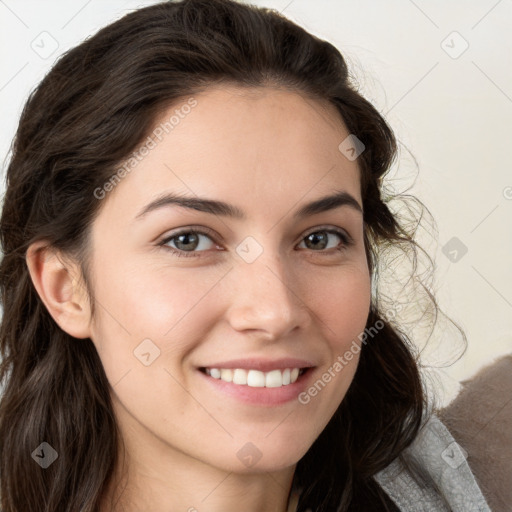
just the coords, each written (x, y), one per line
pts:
(96, 106)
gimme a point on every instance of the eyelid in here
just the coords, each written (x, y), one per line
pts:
(202, 230)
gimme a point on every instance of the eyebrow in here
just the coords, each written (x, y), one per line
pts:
(215, 207)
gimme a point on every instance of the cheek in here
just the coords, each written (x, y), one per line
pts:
(146, 325)
(152, 300)
(343, 305)
(169, 306)
(342, 311)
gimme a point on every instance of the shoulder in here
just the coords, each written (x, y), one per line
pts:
(480, 419)
(433, 475)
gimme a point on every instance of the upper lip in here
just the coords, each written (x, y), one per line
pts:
(263, 365)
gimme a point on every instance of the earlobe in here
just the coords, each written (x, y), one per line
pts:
(58, 285)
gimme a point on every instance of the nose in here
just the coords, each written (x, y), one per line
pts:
(266, 298)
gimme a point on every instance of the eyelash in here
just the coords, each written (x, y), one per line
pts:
(347, 241)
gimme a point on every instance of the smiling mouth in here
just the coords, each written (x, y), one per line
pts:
(256, 378)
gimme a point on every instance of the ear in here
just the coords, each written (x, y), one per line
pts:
(60, 288)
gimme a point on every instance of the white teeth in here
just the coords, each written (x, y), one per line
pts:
(214, 372)
(256, 378)
(240, 376)
(274, 379)
(226, 375)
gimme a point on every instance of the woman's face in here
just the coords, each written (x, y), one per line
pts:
(269, 289)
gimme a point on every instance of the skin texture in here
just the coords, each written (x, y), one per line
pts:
(268, 151)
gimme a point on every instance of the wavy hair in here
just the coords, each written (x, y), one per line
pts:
(96, 105)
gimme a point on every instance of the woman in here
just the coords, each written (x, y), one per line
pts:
(192, 229)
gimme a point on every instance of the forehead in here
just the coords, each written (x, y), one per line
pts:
(248, 146)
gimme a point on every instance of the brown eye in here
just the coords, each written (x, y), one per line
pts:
(323, 239)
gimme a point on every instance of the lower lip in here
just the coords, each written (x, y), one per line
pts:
(261, 396)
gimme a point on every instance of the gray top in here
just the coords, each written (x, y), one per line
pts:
(444, 483)
(440, 479)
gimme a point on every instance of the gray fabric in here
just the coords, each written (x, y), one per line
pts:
(444, 481)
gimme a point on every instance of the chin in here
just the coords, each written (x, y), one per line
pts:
(268, 454)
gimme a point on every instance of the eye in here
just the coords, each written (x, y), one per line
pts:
(319, 239)
(187, 241)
